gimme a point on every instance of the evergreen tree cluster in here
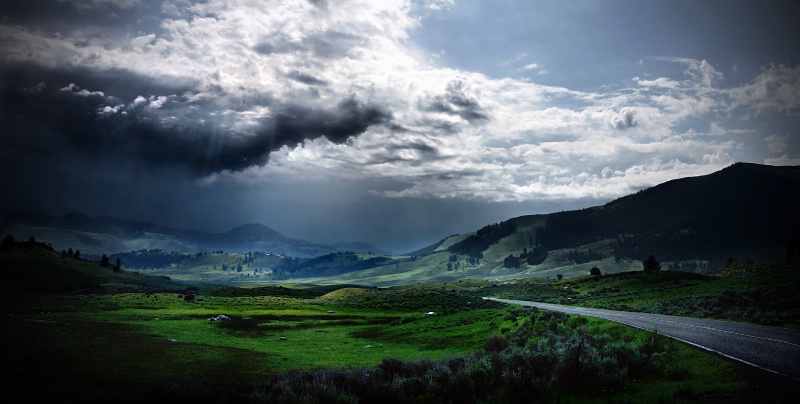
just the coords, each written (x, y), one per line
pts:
(144, 258)
(511, 261)
(535, 255)
(9, 243)
(326, 265)
(582, 257)
(474, 245)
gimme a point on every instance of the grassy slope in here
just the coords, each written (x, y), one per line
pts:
(758, 293)
(39, 270)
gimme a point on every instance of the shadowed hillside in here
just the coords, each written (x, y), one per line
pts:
(35, 268)
(744, 210)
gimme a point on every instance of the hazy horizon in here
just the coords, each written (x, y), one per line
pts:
(395, 123)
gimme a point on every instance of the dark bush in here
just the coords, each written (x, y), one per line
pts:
(495, 343)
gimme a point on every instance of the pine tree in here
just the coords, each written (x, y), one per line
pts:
(651, 264)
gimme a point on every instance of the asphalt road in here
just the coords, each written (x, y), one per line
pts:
(773, 349)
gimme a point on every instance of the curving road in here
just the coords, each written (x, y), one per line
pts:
(773, 349)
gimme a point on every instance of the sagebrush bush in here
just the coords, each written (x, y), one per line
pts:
(495, 343)
(546, 353)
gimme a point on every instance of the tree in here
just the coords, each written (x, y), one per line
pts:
(651, 264)
(559, 276)
(118, 266)
(511, 261)
(792, 248)
(8, 241)
(595, 271)
(70, 253)
(77, 254)
(104, 261)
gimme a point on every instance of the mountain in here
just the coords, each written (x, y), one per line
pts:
(743, 211)
(108, 235)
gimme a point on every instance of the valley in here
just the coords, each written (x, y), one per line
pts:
(237, 323)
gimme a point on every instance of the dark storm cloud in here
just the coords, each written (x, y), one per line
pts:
(423, 153)
(62, 17)
(456, 102)
(323, 4)
(327, 45)
(306, 79)
(90, 114)
(293, 124)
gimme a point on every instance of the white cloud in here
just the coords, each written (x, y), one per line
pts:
(109, 110)
(776, 89)
(776, 144)
(785, 160)
(138, 101)
(659, 82)
(156, 102)
(437, 5)
(74, 89)
(703, 73)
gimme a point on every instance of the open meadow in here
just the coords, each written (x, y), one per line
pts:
(125, 337)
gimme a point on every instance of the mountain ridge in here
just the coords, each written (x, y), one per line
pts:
(107, 235)
(744, 209)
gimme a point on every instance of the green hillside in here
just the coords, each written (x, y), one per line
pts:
(35, 269)
(745, 211)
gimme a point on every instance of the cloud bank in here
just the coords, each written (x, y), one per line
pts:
(236, 93)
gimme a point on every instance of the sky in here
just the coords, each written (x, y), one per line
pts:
(393, 122)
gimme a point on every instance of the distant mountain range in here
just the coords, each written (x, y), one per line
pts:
(108, 235)
(743, 211)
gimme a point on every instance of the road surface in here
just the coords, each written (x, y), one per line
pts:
(770, 348)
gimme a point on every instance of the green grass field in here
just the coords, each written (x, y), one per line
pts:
(76, 332)
(757, 293)
(77, 344)
(103, 346)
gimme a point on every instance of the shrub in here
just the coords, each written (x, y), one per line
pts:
(520, 368)
(495, 343)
